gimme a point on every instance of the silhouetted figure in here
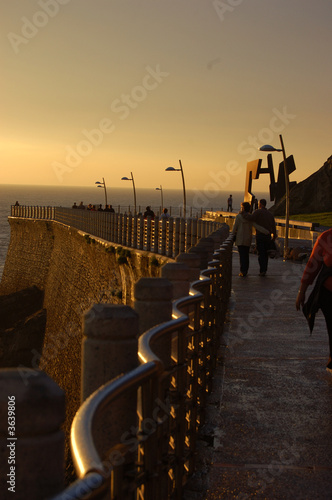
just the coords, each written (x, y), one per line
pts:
(148, 213)
(165, 214)
(230, 204)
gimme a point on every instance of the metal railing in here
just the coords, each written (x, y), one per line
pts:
(157, 460)
(297, 229)
(167, 237)
(33, 212)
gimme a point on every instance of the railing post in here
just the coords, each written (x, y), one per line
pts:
(194, 232)
(208, 244)
(199, 229)
(192, 261)
(153, 304)
(31, 439)
(129, 231)
(163, 236)
(134, 235)
(120, 225)
(156, 235)
(188, 234)
(109, 348)
(202, 253)
(182, 242)
(176, 248)
(179, 275)
(115, 228)
(147, 247)
(124, 230)
(169, 250)
(141, 232)
(109, 345)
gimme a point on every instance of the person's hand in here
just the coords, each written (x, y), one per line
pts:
(300, 299)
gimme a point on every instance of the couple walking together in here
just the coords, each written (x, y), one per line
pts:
(264, 223)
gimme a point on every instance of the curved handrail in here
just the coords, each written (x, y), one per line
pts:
(85, 456)
(179, 320)
(88, 463)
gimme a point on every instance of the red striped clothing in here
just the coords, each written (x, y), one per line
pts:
(321, 253)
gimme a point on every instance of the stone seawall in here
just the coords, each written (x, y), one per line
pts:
(74, 270)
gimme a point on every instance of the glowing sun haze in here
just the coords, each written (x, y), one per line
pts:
(103, 88)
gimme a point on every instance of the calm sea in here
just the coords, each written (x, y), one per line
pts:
(65, 196)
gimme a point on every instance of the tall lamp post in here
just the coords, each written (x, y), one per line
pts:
(161, 195)
(269, 148)
(103, 185)
(131, 179)
(172, 169)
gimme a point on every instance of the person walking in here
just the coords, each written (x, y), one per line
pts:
(230, 204)
(319, 268)
(263, 218)
(242, 230)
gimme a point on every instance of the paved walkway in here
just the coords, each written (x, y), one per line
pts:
(269, 426)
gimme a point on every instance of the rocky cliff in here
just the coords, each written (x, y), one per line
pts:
(313, 195)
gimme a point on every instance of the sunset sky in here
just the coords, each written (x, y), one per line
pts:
(102, 88)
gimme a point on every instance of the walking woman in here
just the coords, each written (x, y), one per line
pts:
(318, 266)
(242, 230)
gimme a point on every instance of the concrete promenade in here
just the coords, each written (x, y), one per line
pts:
(268, 433)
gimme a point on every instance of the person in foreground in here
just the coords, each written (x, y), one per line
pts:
(318, 266)
(263, 240)
(242, 230)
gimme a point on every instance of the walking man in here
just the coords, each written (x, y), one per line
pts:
(263, 241)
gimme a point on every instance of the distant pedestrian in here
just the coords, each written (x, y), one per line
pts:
(319, 268)
(148, 213)
(109, 208)
(263, 241)
(17, 204)
(242, 231)
(81, 206)
(230, 204)
(165, 214)
(74, 206)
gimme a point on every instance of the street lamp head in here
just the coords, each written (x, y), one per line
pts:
(98, 182)
(125, 179)
(269, 148)
(172, 169)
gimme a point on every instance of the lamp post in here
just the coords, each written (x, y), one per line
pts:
(269, 148)
(131, 179)
(172, 169)
(103, 185)
(161, 195)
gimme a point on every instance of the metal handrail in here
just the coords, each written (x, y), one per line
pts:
(85, 455)
(87, 460)
(158, 236)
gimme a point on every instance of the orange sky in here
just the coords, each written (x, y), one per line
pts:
(100, 89)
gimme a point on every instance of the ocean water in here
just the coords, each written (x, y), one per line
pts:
(65, 196)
